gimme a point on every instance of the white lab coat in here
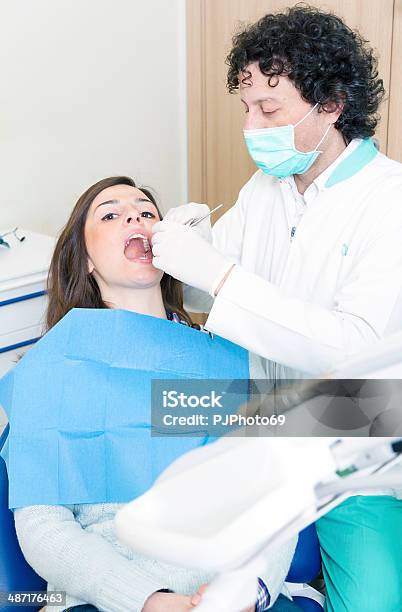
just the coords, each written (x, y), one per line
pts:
(307, 303)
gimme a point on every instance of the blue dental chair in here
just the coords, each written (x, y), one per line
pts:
(17, 575)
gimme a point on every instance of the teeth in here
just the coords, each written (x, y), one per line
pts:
(145, 242)
(136, 236)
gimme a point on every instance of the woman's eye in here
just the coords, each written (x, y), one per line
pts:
(109, 216)
(145, 213)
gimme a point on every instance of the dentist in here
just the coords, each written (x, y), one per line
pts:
(306, 268)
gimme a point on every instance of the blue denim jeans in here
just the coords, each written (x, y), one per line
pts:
(282, 604)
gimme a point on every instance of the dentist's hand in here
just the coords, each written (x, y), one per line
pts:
(183, 214)
(179, 251)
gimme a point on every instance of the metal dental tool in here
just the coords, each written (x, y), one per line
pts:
(196, 221)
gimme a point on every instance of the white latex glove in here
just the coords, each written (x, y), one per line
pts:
(179, 251)
(182, 214)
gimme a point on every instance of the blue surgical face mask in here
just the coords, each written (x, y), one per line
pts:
(274, 151)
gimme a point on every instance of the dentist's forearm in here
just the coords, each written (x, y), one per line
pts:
(222, 282)
(255, 314)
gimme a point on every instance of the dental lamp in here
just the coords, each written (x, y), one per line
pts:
(205, 511)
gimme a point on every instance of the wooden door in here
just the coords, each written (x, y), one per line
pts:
(395, 96)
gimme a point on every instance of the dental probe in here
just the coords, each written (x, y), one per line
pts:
(194, 222)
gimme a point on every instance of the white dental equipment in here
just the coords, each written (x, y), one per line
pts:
(205, 511)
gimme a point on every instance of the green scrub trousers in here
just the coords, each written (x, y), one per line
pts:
(361, 547)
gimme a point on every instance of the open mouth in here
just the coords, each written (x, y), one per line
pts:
(138, 248)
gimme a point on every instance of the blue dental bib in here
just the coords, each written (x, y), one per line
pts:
(79, 405)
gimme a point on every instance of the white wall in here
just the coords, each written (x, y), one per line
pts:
(89, 89)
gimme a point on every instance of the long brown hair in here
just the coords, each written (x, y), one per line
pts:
(69, 283)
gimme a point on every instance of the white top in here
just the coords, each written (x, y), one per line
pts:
(308, 302)
(75, 549)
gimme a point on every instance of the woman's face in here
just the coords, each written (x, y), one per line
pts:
(118, 232)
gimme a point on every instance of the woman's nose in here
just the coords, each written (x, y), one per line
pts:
(133, 218)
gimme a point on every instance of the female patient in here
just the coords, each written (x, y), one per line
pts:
(103, 259)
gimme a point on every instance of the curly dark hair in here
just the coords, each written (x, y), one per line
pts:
(329, 64)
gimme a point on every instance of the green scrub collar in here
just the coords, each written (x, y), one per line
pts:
(351, 165)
